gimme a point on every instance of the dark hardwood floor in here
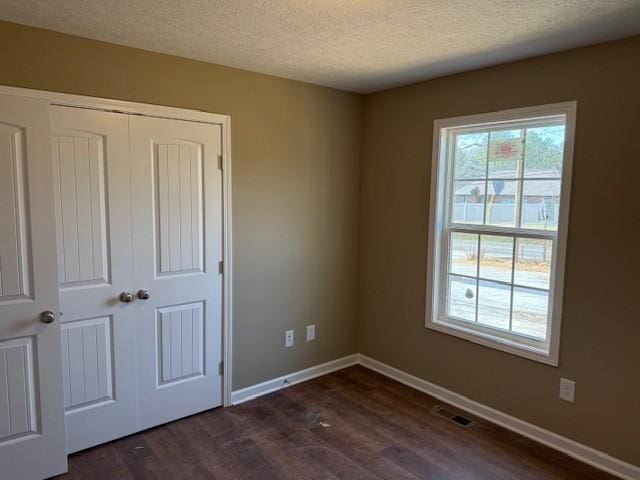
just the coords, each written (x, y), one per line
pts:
(352, 424)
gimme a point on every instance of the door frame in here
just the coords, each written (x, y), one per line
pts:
(158, 111)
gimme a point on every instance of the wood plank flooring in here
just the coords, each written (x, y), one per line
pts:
(351, 424)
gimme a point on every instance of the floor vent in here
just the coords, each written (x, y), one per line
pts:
(460, 420)
(452, 417)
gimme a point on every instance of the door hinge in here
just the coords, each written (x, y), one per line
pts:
(221, 267)
(221, 368)
(220, 162)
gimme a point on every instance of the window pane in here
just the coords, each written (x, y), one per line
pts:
(533, 262)
(530, 312)
(494, 303)
(506, 153)
(496, 254)
(461, 298)
(464, 254)
(544, 150)
(468, 201)
(501, 202)
(471, 156)
(540, 204)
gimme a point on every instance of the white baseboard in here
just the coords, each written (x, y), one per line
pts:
(254, 391)
(565, 445)
(581, 452)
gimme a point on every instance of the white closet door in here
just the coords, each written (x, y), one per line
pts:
(31, 408)
(177, 231)
(93, 216)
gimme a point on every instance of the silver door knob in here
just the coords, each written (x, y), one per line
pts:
(126, 297)
(144, 294)
(47, 316)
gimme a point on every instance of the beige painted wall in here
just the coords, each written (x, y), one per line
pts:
(600, 345)
(295, 183)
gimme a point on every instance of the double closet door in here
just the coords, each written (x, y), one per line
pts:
(138, 209)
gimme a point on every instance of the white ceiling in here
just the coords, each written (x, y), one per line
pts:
(358, 45)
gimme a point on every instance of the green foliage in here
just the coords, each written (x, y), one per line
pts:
(544, 148)
(471, 155)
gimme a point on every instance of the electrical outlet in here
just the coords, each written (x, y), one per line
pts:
(311, 333)
(567, 389)
(288, 338)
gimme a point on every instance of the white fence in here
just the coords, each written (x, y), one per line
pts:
(504, 213)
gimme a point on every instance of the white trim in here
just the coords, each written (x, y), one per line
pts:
(254, 391)
(227, 277)
(546, 352)
(149, 110)
(122, 106)
(585, 454)
(510, 114)
(493, 341)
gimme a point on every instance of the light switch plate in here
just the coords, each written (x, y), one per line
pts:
(311, 333)
(567, 390)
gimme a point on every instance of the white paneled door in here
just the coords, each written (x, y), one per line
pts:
(92, 185)
(31, 400)
(139, 229)
(177, 232)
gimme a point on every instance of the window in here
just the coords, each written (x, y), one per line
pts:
(498, 227)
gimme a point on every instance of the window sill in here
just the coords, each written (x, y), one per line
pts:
(496, 342)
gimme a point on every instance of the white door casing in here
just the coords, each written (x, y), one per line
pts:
(177, 233)
(31, 400)
(32, 446)
(93, 216)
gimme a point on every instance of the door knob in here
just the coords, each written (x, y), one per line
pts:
(47, 316)
(126, 297)
(144, 294)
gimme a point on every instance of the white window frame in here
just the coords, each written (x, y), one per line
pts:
(542, 351)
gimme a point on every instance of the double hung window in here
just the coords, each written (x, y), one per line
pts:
(498, 226)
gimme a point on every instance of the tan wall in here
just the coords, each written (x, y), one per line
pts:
(600, 345)
(295, 183)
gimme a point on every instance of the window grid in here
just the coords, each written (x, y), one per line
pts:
(523, 211)
(519, 179)
(515, 232)
(478, 273)
(506, 179)
(478, 278)
(513, 270)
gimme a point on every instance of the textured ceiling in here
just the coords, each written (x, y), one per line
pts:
(358, 45)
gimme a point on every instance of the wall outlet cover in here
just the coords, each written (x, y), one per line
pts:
(288, 338)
